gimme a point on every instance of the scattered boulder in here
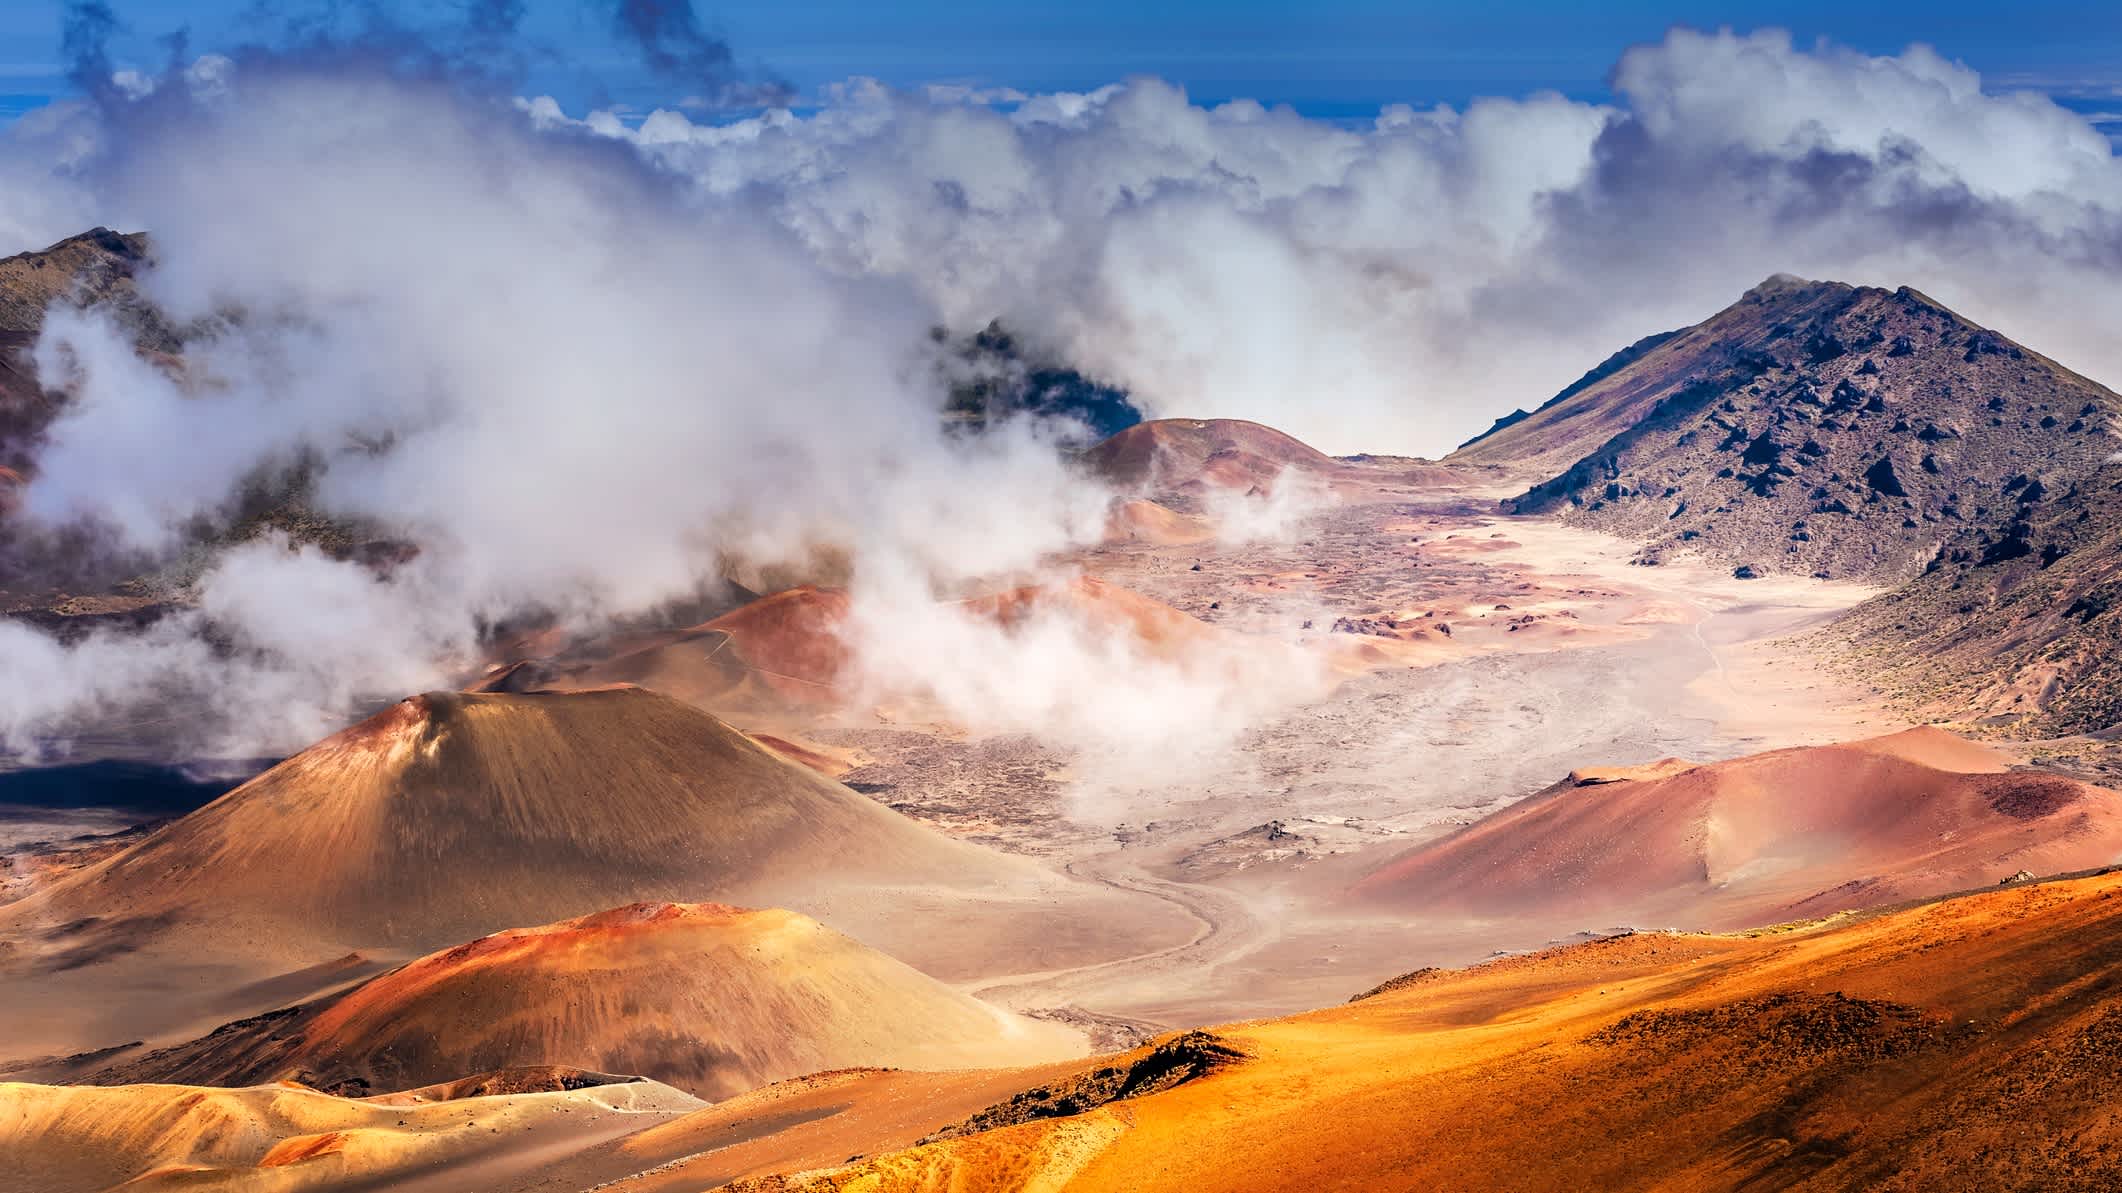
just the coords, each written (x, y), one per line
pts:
(1883, 480)
(1171, 1061)
(1377, 627)
(1989, 343)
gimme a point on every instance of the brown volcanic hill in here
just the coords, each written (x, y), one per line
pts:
(1759, 839)
(788, 652)
(793, 635)
(713, 1000)
(2019, 625)
(453, 815)
(1178, 453)
(1965, 1046)
(1812, 427)
(448, 815)
(780, 649)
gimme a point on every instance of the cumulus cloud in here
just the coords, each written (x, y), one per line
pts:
(1145, 694)
(281, 644)
(529, 352)
(1393, 288)
(579, 361)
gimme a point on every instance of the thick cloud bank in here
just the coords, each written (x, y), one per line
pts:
(1395, 287)
(580, 362)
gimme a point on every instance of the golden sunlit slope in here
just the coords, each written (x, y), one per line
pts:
(1968, 1044)
(77, 1139)
(1759, 839)
(809, 1122)
(713, 1000)
(449, 815)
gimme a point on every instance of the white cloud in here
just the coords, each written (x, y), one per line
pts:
(1395, 289)
(577, 360)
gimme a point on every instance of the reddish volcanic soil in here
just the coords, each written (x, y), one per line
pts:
(784, 663)
(451, 815)
(777, 653)
(1940, 1048)
(447, 812)
(1173, 453)
(1768, 837)
(1964, 1046)
(714, 1000)
(792, 638)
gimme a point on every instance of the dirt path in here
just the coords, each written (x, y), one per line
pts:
(1086, 994)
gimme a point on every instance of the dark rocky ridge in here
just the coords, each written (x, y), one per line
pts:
(2019, 626)
(1599, 372)
(1818, 428)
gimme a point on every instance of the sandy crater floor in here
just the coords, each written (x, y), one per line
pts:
(1561, 654)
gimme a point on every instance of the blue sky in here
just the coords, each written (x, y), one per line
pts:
(1327, 57)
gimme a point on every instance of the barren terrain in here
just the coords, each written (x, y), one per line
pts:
(1560, 653)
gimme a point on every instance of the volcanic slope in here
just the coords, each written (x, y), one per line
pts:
(1189, 454)
(713, 1000)
(1760, 839)
(1967, 1044)
(1812, 427)
(1144, 521)
(780, 652)
(2020, 625)
(450, 815)
(785, 660)
(95, 266)
(1149, 626)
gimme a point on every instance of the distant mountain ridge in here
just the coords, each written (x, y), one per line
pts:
(1855, 432)
(1813, 427)
(1599, 372)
